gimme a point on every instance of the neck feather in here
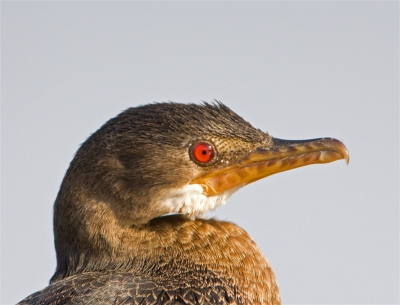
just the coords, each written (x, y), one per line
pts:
(169, 244)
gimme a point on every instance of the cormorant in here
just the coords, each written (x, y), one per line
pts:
(115, 240)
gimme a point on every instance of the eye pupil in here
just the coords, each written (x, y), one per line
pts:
(202, 152)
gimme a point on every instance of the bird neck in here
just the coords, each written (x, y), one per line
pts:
(172, 245)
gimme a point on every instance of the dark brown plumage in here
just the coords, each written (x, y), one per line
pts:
(113, 244)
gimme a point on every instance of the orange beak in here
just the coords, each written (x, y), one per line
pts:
(264, 162)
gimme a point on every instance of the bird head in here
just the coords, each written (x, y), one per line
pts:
(180, 158)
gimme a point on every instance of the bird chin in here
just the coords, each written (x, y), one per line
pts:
(191, 201)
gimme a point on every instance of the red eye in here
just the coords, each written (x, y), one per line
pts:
(203, 152)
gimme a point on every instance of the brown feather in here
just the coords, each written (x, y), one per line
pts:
(112, 245)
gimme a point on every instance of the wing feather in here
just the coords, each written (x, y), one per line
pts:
(122, 288)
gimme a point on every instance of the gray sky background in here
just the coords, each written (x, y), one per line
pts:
(295, 69)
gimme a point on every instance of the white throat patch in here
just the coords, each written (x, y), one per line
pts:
(191, 201)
